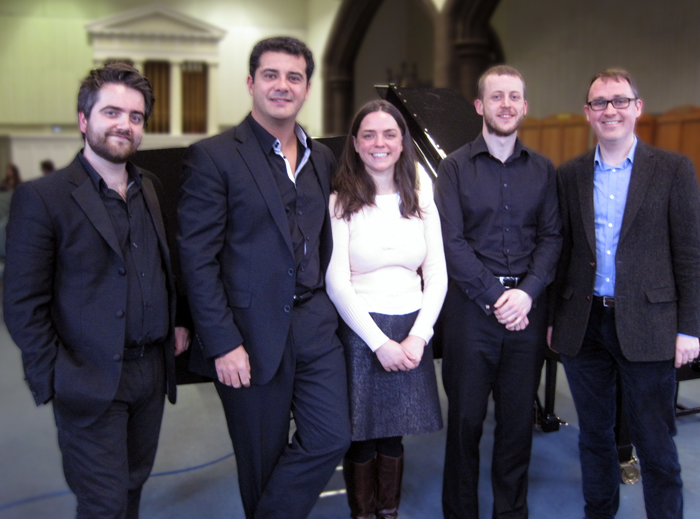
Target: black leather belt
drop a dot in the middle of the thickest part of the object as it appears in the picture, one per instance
(606, 301)
(300, 299)
(136, 351)
(509, 281)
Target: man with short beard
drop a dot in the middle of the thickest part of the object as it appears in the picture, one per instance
(501, 231)
(89, 298)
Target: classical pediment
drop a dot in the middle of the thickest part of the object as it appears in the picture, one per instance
(154, 20)
(154, 31)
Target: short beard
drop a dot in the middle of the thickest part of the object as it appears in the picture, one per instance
(491, 128)
(100, 146)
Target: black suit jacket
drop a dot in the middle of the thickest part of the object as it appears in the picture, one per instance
(236, 249)
(657, 265)
(65, 291)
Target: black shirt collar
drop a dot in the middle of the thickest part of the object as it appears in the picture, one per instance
(479, 146)
(98, 181)
(266, 139)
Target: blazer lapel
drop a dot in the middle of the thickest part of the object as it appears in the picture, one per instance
(262, 174)
(90, 202)
(642, 171)
(585, 188)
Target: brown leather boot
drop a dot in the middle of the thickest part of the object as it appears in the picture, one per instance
(361, 484)
(389, 474)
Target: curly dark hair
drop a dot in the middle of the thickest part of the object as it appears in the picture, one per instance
(355, 187)
(285, 44)
(117, 72)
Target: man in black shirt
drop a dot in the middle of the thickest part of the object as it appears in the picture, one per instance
(89, 298)
(255, 241)
(501, 232)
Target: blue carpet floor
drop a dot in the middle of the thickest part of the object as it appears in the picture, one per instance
(195, 473)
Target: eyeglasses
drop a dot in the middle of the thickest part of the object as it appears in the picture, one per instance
(599, 105)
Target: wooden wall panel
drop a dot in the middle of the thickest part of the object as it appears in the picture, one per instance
(564, 136)
(194, 97)
(530, 134)
(551, 145)
(158, 72)
(679, 130)
(645, 128)
(690, 141)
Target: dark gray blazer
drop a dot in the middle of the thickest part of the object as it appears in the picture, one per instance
(236, 250)
(65, 292)
(657, 288)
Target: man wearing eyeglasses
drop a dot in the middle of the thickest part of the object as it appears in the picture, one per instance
(627, 296)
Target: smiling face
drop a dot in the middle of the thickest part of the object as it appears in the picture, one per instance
(114, 128)
(503, 106)
(379, 142)
(279, 88)
(613, 126)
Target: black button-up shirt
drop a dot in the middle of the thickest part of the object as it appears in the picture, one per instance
(146, 311)
(498, 219)
(304, 204)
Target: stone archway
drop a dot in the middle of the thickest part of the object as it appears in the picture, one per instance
(351, 24)
(465, 46)
(474, 46)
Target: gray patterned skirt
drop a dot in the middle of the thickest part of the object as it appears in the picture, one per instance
(389, 403)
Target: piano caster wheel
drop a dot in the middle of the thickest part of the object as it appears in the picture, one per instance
(629, 471)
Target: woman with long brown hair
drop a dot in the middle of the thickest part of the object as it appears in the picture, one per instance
(387, 278)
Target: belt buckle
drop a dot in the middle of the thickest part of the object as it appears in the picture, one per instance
(508, 282)
(605, 302)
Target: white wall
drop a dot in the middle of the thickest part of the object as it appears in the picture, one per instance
(559, 44)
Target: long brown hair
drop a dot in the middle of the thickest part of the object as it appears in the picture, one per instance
(356, 188)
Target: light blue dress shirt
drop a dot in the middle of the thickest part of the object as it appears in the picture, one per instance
(610, 185)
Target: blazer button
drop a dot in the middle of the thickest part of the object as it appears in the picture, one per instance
(287, 308)
(290, 272)
(117, 357)
(588, 298)
(592, 263)
(122, 271)
(120, 313)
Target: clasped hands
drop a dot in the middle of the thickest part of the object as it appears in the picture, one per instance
(402, 356)
(512, 308)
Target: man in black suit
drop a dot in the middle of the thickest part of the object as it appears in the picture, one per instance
(500, 227)
(89, 298)
(627, 296)
(255, 241)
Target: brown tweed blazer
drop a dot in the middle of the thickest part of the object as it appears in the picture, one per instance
(657, 289)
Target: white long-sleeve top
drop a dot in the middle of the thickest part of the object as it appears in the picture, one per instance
(374, 267)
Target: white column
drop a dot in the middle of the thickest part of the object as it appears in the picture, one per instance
(175, 98)
(212, 98)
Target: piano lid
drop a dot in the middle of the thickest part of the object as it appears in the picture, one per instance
(440, 120)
